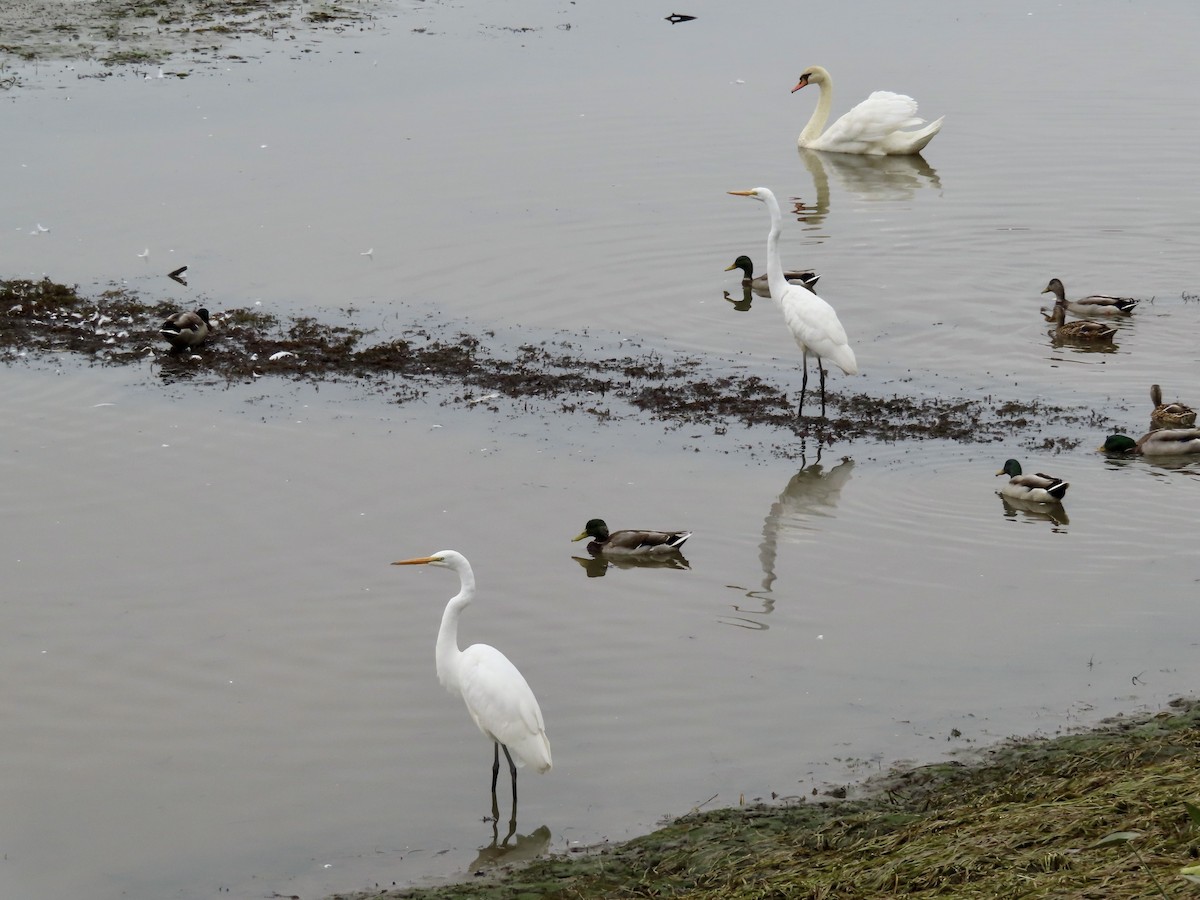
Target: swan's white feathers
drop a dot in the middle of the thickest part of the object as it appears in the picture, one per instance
(511, 717)
(875, 127)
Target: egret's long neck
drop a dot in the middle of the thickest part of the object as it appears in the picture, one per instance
(816, 124)
(447, 652)
(775, 279)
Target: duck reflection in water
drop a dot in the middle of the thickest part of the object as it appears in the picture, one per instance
(515, 848)
(1031, 511)
(811, 493)
(597, 566)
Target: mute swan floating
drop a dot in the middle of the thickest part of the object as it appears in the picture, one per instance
(812, 321)
(871, 128)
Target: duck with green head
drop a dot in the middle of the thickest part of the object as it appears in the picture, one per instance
(1164, 442)
(629, 542)
(801, 277)
(1037, 488)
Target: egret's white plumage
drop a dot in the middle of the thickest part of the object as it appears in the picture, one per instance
(497, 696)
(812, 321)
(873, 128)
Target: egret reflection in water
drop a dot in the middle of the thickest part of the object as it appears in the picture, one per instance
(811, 493)
(515, 848)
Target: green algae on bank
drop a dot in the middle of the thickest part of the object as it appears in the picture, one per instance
(1025, 820)
(559, 375)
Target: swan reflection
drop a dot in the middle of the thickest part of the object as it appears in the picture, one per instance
(597, 566)
(885, 178)
(514, 848)
(1029, 511)
(811, 493)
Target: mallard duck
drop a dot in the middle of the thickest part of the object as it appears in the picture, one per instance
(873, 128)
(1038, 488)
(803, 277)
(1080, 329)
(1093, 305)
(630, 542)
(1164, 442)
(1169, 415)
(186, 329)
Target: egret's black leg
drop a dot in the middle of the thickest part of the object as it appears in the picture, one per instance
(803, 384)
(496, 764)
(512, 771)
(822, 369)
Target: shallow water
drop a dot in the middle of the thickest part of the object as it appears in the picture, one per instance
(212, 677)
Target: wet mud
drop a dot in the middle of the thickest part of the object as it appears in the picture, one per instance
(479, 370)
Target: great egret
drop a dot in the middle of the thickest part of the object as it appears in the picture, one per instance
(1169, 415)
(872, 128)
(1165, 442)
(629, 542)
(186, 329)
(1080, 329)
(497, 695)
(803, 277)
(1093, 305)
(812, 321)
(1038, 488)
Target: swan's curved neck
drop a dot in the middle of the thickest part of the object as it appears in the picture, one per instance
(816, 124)
(447, 652)
(775, 279)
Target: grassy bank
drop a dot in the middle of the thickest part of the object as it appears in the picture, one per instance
(1026, 820)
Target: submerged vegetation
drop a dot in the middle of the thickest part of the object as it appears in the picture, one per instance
(558, 375)
(1032, 819)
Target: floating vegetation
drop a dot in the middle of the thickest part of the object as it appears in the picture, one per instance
(118, 328)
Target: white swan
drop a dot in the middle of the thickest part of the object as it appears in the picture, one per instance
(871, 128)
(812, 321)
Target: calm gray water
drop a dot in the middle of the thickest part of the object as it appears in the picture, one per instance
(213, 679)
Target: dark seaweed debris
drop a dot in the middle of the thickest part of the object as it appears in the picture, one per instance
(118, 328)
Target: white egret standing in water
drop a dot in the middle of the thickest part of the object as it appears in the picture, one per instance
(812, 321)
(497, 695)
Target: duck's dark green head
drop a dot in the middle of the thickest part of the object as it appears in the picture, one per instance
(1012, 468)
(1118, 443)
(743, 263)
(595, 528)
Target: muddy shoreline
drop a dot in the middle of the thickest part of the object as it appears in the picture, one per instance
(117, 328)
(1099, 814)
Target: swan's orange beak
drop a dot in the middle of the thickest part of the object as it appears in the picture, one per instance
(801, 83)
(419, 561)
(741, 194)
